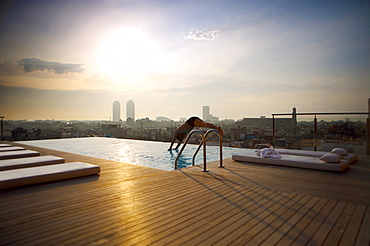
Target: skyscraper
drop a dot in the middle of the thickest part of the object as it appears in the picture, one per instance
(207, 116)
(206, 113)
(116, 111)
(130, 110)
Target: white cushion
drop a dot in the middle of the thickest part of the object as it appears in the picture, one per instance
(331, 158)
(339, 151)
(4, 155)
(17, 163)
(48, 173)
(293, 161)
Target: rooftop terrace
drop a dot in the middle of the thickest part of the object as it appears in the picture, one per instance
(241, 204)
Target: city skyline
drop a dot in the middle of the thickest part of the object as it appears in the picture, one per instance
(71, 59)
(207, 116)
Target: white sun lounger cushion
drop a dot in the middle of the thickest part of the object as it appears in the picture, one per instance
(18, 154)
(35, 175)
(11, 148)
(30, 162)
(308, 162)
(351, 157)
(5, 145)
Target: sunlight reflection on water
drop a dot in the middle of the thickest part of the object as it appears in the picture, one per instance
(143, 153)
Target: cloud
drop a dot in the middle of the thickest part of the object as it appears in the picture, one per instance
(329, 81)
(35, 64)
(196, 34)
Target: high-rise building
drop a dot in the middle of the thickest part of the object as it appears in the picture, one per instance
(294, 116)
(206, 114)
(116, 111)
(130, 110)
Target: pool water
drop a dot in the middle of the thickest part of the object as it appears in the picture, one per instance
(137, 152)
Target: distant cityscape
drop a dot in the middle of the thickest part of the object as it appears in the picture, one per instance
(245, 133)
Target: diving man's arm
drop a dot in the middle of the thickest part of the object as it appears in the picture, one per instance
(201, 123)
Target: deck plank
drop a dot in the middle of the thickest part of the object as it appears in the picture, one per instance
(281, 232)
(268, 217)
(168, 207)
(245, 224)
(314, 224)
(127, 202)
(301, 226)
(274, 226)
(340, 226)
(349, 236)
(204, 224)
(327, 225)
(195, 214)
(237, 225)
(363, 237)
(154, 215)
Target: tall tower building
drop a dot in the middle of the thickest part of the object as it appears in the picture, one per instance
(294, 116)
(130, 110)
(116, 111)
(206, 113)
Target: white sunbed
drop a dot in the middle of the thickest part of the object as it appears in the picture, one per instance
(17, 154)
(30, 162)
(5, 145)
(42, 174)
(11, 148)
(308, 162)
(351, 157)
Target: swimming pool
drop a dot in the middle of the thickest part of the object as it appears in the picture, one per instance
(137, 152)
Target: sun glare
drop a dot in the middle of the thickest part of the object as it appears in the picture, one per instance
(128, 53)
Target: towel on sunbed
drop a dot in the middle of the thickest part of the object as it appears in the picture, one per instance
(268, 153)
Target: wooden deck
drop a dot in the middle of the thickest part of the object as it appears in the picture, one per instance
(242, 204)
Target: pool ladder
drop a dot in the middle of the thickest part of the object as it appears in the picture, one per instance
(204, 143)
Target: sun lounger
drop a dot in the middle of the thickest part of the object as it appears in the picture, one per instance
(17, 154)
(35, 175)
(351, 157)
(5, 145)
(30, 162)
(308, 162)
(15, 148)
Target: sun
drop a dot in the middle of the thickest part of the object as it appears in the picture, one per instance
(129, 53)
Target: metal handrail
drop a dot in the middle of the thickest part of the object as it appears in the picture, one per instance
(315, 125)
(185, 143)
(204, 143)
(220, 143)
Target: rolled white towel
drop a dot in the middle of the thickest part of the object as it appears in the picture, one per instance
(268, 153)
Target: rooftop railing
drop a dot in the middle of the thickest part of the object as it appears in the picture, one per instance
(315, 131)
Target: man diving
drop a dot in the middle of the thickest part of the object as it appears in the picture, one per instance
(183, 130)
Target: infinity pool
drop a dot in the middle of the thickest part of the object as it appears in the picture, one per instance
(137, 152)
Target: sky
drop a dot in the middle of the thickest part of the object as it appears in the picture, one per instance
(71, 59)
